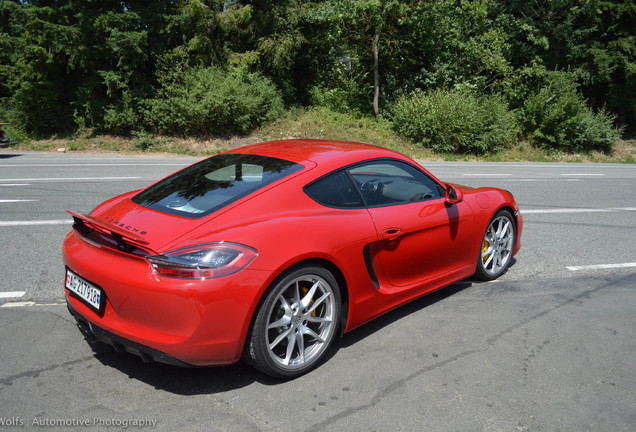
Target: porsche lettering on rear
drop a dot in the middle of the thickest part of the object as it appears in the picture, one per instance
(124, 226)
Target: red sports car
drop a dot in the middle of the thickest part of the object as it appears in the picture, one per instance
(270, 251)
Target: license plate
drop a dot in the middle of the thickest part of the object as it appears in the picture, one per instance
(89, 293)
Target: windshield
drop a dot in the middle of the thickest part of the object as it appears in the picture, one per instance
(213, 183)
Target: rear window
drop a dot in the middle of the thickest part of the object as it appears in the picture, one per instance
(214, 183)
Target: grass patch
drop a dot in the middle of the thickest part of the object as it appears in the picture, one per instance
(318, 123)
(322, 123)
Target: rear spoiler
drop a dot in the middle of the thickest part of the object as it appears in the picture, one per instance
(114, 230)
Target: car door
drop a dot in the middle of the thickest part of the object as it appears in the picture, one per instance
(422, 236)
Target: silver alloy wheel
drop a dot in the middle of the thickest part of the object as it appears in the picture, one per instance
(301, 322)
(498, 244)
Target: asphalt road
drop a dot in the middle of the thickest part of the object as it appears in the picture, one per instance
(550, 346)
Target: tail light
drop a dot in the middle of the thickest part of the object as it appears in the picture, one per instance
(204, 261)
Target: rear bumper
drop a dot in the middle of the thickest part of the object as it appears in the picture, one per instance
(195, 322)
(93, 333)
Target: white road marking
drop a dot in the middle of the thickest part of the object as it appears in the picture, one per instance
(602, 266)
(486, 175)
(576, 210)
(69, 179)
(583, 174)
(540, 165)
(16, 200)
(18, 304)
(93, 164)
(564, 210)
(29, 304)
(36, 222)
(499, 179)
(540, 180)
(12, 294)
(15, 184)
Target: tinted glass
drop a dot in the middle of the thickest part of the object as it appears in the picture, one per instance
(335, 190)
(213, 183)
(393, 182)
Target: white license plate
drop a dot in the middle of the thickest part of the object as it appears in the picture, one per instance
(86, 291)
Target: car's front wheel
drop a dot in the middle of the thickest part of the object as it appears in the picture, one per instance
(497, 246)
(295, 323)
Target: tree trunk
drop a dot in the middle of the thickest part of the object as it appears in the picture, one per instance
(376, 75)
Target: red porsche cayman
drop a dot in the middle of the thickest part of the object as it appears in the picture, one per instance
(270, 251)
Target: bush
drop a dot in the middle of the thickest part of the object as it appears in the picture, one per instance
(343, 91)
(557, 117)
(212, 100)
(596, 131)
(456, 121)
(121, 117)
(40, 108)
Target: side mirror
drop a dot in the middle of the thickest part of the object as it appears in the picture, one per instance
(453, 195)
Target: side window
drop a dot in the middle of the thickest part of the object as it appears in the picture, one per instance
(252, 173)
(388, 182)
(335, 190)
(225, 174)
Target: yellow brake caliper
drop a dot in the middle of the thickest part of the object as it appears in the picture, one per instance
(484, 248)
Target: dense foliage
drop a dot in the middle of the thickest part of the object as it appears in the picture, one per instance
(456, 121)
(205, 99)
(465, 75)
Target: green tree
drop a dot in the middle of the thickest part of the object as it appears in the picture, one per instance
(363, 34)
(37, 76)
(69, 64)
(555, 114)
(592, 39)
(453, 42)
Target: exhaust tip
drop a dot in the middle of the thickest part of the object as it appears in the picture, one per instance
(86, 331)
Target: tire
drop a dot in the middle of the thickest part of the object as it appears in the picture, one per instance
(295, 323)
(497, 246)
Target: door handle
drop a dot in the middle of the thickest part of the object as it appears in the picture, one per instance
(391, 233)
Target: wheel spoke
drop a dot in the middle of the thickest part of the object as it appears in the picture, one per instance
(291, 342)
(317, 303)
(306, 300)
(278, 340)
(508, 244)
(502, 230)
(313, 334)
(316, 319)
(300, 341)
(297, 294)
(489, 260)
(285, 304)
(284, 321)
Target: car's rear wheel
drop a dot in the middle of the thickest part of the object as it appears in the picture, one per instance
(497, 246)
(295, 323)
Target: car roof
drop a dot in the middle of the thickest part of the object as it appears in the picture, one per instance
(321, 152)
